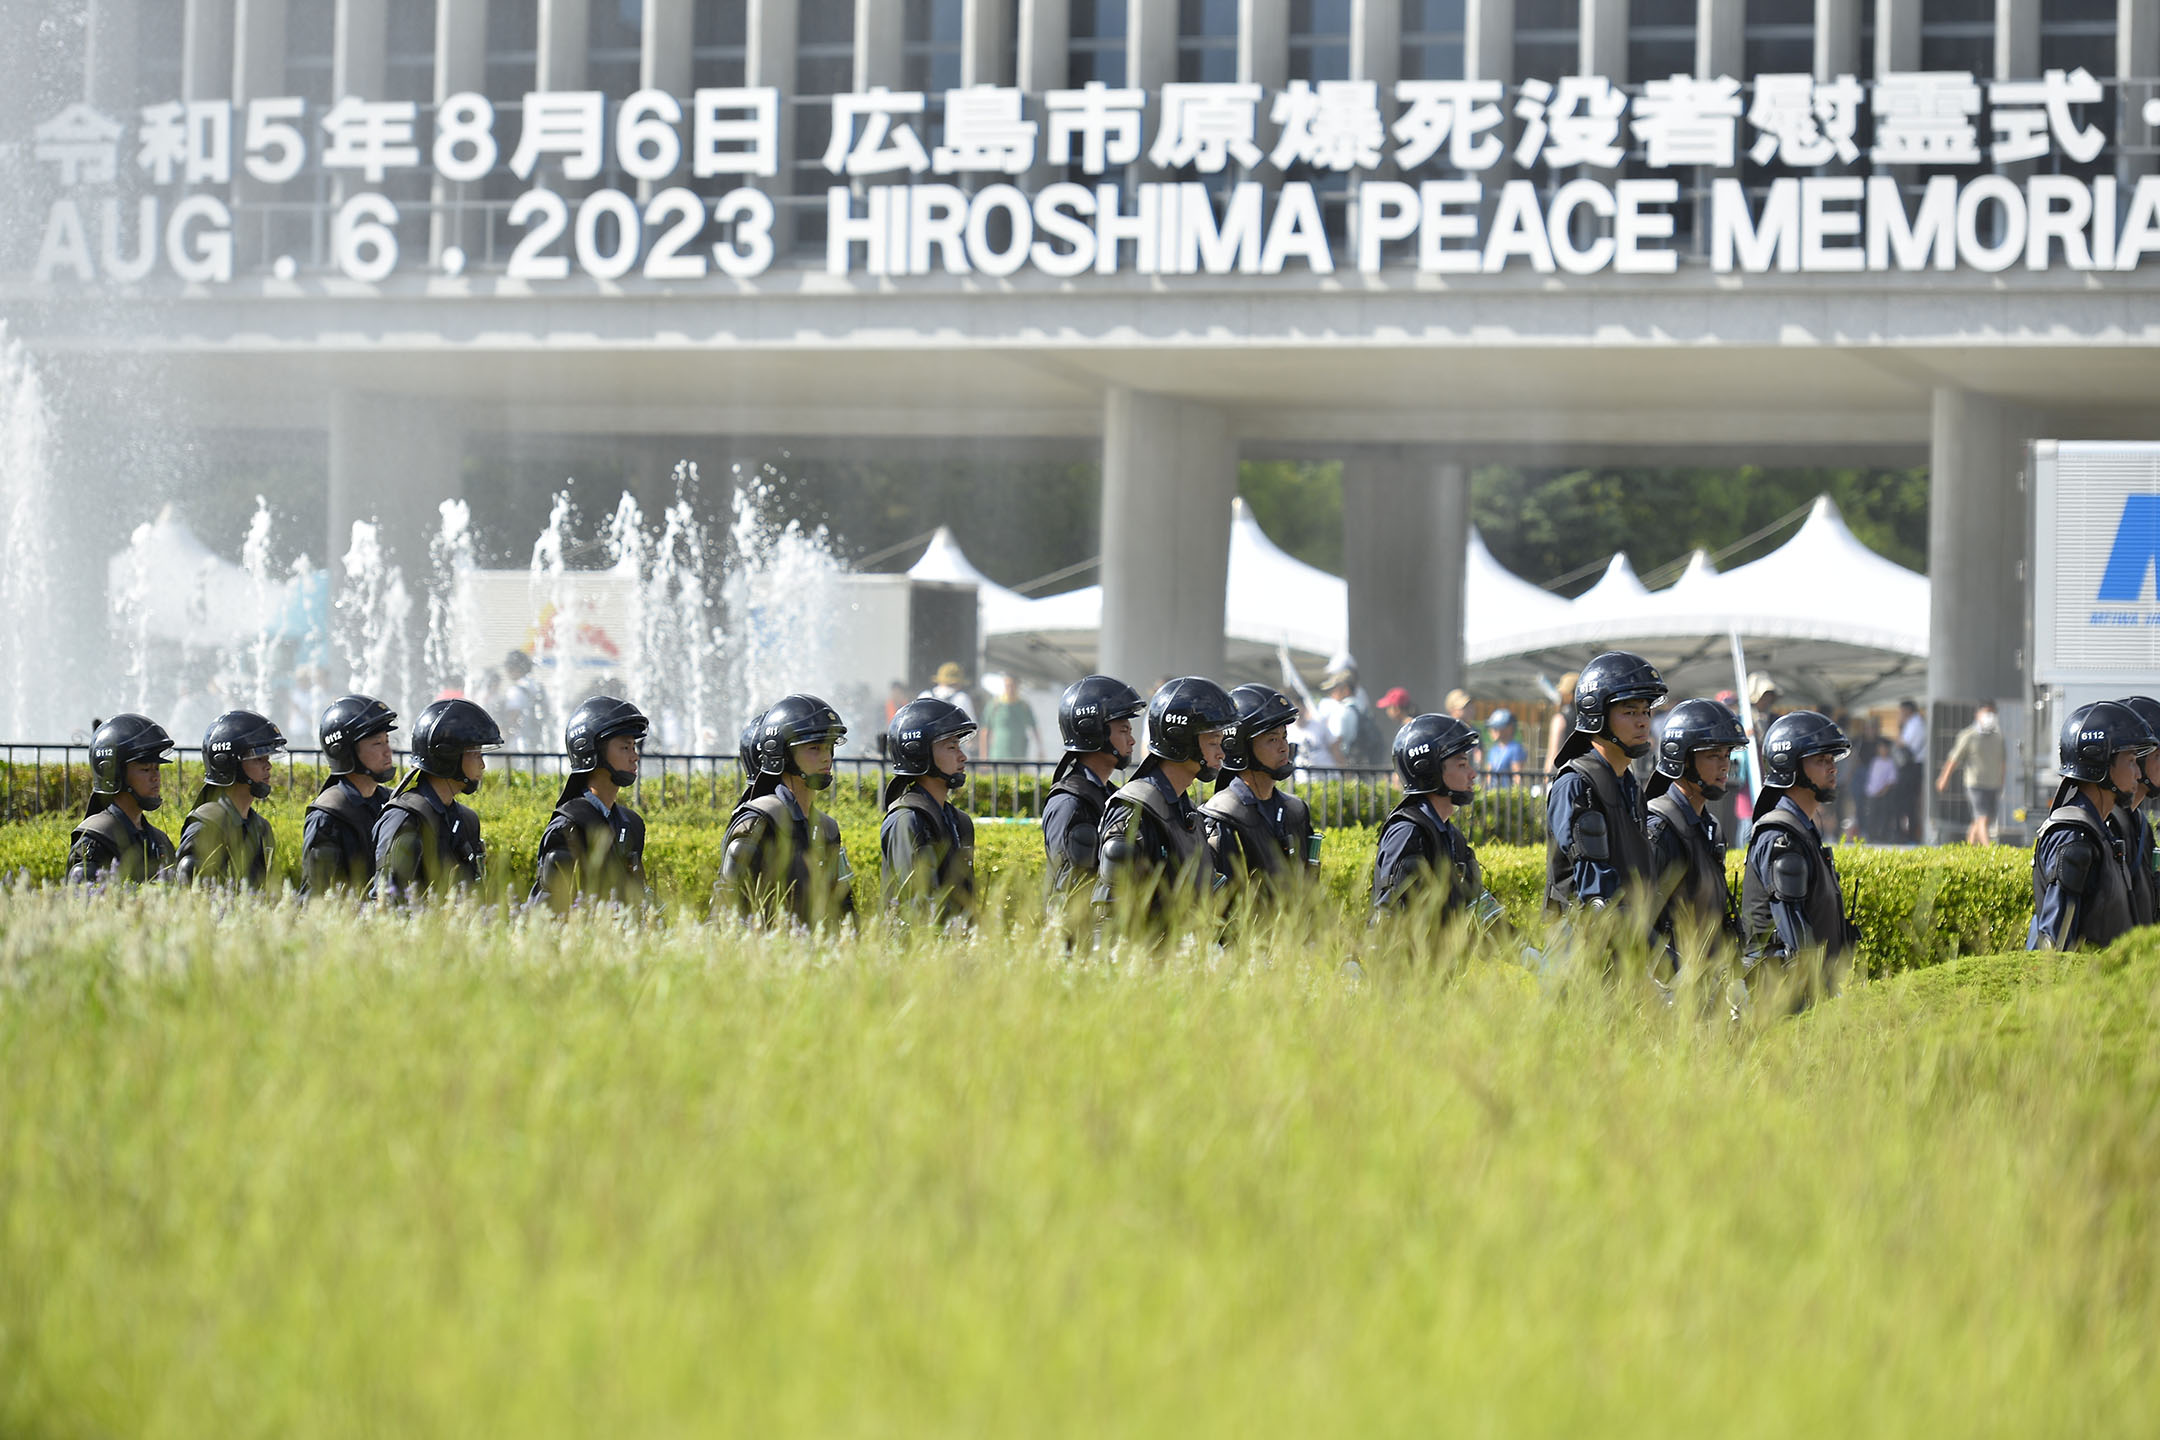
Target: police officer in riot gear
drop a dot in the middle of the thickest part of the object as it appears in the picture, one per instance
(1095, 718)
(1791, 900)
(1687, 854)
(1420, 850)
(927, 844)
(781, 855)
(746, 752)
(594, 845)
(1154, 848)
(1597, 848)
(116, 840)
(1259, 833)
(337, 837)
(225, 840)
(428, 842)
(2133, 823)
(2081, 875)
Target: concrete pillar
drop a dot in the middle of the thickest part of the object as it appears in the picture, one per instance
(110, 27)
(360, 49)
(1151, 46)
(878, 35)
(1837, 39)
(1604, 39)
(2017, 39)
(986, 37)
(1376, 46)
(1897, 35)
(206, 50)
(1264, 43)
(393, 460)
(1045, 30)
(1720, 38)
(565, 36)
(258, 49)
(1489, 40)
(1169, 473)
(460, 65)
(769, 59)
(1406, 525)
(1976, 547)
(2137, 53)
(664, 59)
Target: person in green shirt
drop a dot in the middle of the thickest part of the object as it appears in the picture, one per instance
(1009, 725)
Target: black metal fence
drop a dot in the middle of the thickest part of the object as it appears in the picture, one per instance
(48, 779)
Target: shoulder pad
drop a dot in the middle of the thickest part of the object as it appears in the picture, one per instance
(2076, 861)
(1592, 840)
(1788, 874)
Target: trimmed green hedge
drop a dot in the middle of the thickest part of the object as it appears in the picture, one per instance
(1917, 907)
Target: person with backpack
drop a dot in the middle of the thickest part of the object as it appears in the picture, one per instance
(1355, 730)
(225, 839)
(337, 835)
(116, 840)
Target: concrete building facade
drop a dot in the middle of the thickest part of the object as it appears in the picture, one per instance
(1413, 368)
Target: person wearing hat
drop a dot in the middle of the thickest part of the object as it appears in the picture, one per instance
(593, 848)
(1507, 756)
(926, 842)
(1398, 707)
(1420, 850)
(1597, 848)
(950, 685)
(428, 842)
(1260, 835)
(1351, 725)
(782, 855)
(1792, 902)
(116, 840)
(1154, 846)
(225, 840)
(2081, 875)
(1687, 851)
(337, 834)
(2133, 823)
(1095, 722)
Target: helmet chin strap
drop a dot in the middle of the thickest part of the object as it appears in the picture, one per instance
(1461, 797)
(623, 779)
(1709, 791)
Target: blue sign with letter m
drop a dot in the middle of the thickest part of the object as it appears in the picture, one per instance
(2137, 549)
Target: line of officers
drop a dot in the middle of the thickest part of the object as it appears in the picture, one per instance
(1143, 852)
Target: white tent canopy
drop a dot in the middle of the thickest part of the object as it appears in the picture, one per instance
(1835, 621)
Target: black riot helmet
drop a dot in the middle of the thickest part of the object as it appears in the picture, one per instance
(1088, 708)
(348, 720)
(442, 735)
(1608, 680)
(2094, 735)
(916, 729)
(746, 745)
(235, 736)
(1693, 727)
(117, 744)
(2147, 709)
(1792, 738)
(1425, 744)
(1182, 711)
(1260, 708)
(795, 720)
(592, 725)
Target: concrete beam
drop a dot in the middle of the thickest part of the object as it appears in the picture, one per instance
(1604, 39)
(565, 39)
(1264, 43)
(878, 37)
(2017, 39)
(986, 42)
(1977, 542)
(2137, 52)
(1406, 523)
(109, 58)
(664, 58)
(1897, 35)
(258, 49)
(1376, 45)
(769, 59)
(1489, 40)
(1045, 28)
(360, 48)
(1169, 474)
(460, 65)
(1151, 35)
(1720, 38)
(1837, 39)
(206, 50)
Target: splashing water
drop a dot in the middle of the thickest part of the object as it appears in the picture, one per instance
(784, 601)
(452, 631)
(27, 487)
(373, 609)
(247, 673)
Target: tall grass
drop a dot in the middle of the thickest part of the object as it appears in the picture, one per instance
(267, 1170)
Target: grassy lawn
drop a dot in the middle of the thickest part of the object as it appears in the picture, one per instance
(273, 1171)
